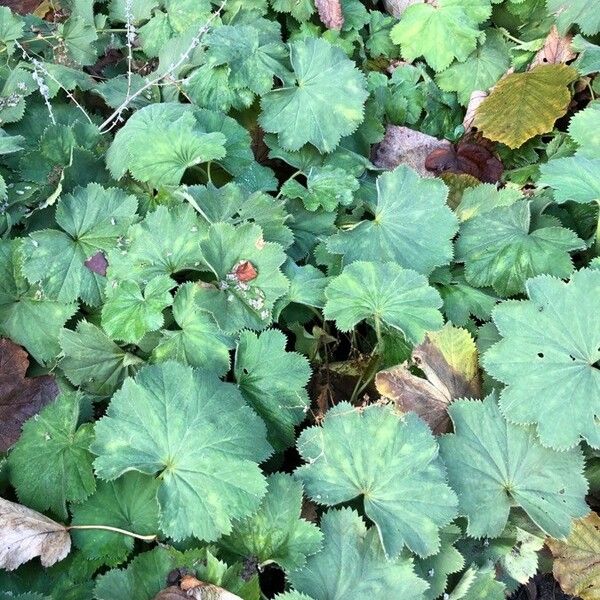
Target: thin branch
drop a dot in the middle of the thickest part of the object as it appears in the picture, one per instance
(137, 536)
(114, 117)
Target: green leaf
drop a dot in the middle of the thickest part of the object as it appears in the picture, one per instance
(588, 60)
(584, 128)
(353, 565)
(198, 435)
(481, 70)
(159, 142)
(436, 569)
(500, 250)
(11, 28)
(254, 54)
(78, 38)
(523, 105)
(51, 464)
(441, 32)
(573, 178)
(128, 313)
(93, 361)
(26, 315)
(141, 10)
(199, 342)
(389, 459)
(276, 533)
(548, 359)
(165, 242)
(483, 198)
(326, 188)
(384, 293)
(234, 303)
(92, 220)
(585, 13)
(404, 202)
(301, 10)
(273, 382)
(494, 465)
(325, 104)
(127, 503)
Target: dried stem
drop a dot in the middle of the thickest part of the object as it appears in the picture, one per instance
(137, 536)
(114, 117)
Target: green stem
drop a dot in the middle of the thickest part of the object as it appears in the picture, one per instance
(293, 176)
(507, 35)
(597, 242)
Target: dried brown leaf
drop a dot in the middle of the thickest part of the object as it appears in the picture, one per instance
(477, 97)
(23, 7)
(20, 397)
(556, 50)
(404, 146)
(26, 533)
(192, 588)
(448, 359)
(330, 13)
(577, 559)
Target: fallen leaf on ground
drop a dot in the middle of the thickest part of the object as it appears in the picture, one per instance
(556, 50)
(473, 155)
(23, 7)
(523, 105)
(448, 359)
(26, 533)
(404, 146)
(477, 97)
(191, 587)
(330, 13)
(20, 397)
(577, 559)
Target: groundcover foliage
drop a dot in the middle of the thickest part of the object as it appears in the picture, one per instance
(299, 299)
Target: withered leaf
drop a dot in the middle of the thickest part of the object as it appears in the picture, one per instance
(192, 588)
(26, 533)
(577, 559)
(245, 271)
(97, 263)
(473, 155)
(404, 146)
(20, 397)
(556, 50)
(396, 8)
(477, 97)
(448, 359)
(330, 13)
(23, 7)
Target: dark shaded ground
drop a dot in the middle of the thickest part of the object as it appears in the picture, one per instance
(542, 587)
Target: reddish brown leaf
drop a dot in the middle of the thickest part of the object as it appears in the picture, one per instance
(23, 7)
(20, 397)
(97, 263)
(330, 13)
(404, 146)
(244, 271)
(473, 156)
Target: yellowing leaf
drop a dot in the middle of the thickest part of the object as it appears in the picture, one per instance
(577, 559)
(25, 534)
(523, 105)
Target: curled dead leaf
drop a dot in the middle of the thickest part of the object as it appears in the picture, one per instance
(577, 559)
(330, 13)
(448, 359)
(556, 50)
(404, 146)
(396, 8)
(477, 97)
(473, 155)
(26, 533)
(20, 397)
(192, 588)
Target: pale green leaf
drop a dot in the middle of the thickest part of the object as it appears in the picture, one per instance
(199, 342)
(195, 432)
(389, 459)
(276, 533)
(548, 359)
(93, 361)
(353, 565)
(494, 465)
(51, 463)
(384, 293)
(273, 382)
(404, 202)
(325, 104)
(573, 178)
(585, 13)
(441, 32)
